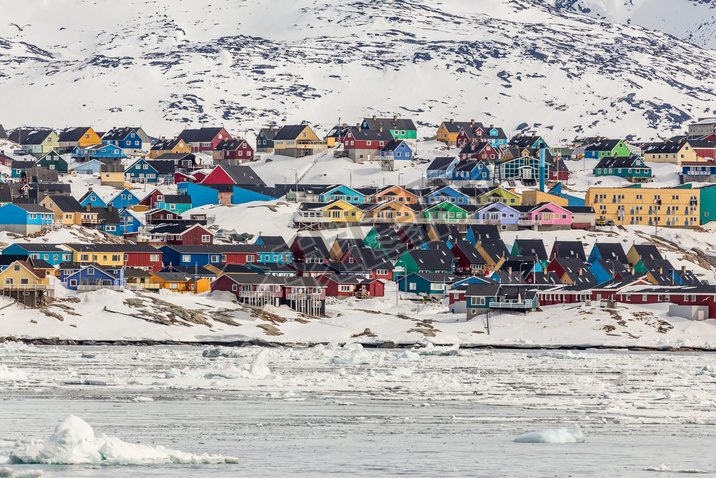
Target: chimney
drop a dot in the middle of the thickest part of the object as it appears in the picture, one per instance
(472, 122)
(88, 206)
(175, 138)
(373, 117)
(492, 126)
(509, 270)
(452, 121)
(683, 269)
(271, 128)
(395, 117)
(381, 129)
(661, 270)
(114, 128)
(344, 125)
(580, 271)
(357, 125)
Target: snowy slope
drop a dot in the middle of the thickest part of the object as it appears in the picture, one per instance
(519, 63)
(695, 22)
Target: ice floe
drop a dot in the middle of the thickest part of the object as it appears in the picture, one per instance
(10, 375)
(558, 435)
(74, 443)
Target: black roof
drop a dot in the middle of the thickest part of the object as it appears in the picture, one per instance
(441, 163)
(371, 134)
(431, 260)
(201, 135)
(469, 251)
(394, 123)
(312, 246)
(531, 247)
(163, 166)
(243, 175)
(66, 203)
(166, 144)
(611, 251)
(36, 137)
(603, 145)
(229, 144)
(647, 251)
(617, 162)
(289, 132)
(273, 240)
(270, 133)
(118, 134)
(73, 134)
(569, 249)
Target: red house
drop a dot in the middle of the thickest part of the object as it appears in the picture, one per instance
(222, 174)
(233, 151)
(181, 234)
(203, 139)
(151, 199)
(158, 216)
(184, 178)
(346, 286)
(371, 260)
(142, 256)
(481, 150)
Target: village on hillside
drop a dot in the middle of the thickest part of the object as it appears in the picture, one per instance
(428, 221)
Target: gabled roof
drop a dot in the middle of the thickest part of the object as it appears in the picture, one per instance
(523, 141)
(394, 123)
(66, 203)
(469, 251)
(576, 270)
(229, 145)
(394, 144)
(243, 175)
(118, 134)
(531, 247)
(289, 132)
(273, 241)
(36, 137)
(313, 246)
(667, 147)
(163, 165)
(611, 251)
(475, 147)
(166, 144)
(604, 145)
(441, 163)
(618, 162)
(73, 134)
(455, 126)
(647, 251)
(468, 165)
(569, 249)
(270, 133)
(201, 135)
(614, 267)
(371, 134)
(431, 260)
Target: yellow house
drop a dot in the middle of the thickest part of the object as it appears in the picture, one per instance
(297, 141)
(19, 274)
(502, 195)
(69, 210)
(392, 212)
(78, 137)
(165, 146)
(178, 282)
(342, 212)
(101, 254)
(112, 174)
(670, 152)
(667, 207)
(534, 197)
(448, 130)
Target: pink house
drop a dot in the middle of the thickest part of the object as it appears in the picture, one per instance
(550, 214)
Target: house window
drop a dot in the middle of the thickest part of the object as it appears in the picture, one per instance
(413, 286)
(186, 258)
(233, 287)
(73, 282)
(214, 259)
(84, 257)
(8, 281)
(90, 271)
(250, 258)
(173, 286)
(152, 257)
(205, 238)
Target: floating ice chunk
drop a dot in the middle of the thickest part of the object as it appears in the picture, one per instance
(259, 367)
(409, 356)
(6, 472)
(8, 374)
(214, 352)
(558, 435)
(666, 469)
(142, 398)
(401, 372)
(74, 443)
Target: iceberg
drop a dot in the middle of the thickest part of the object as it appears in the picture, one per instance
(74, 443)
(559, 435)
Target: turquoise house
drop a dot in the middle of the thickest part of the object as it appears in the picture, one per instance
(344, 193)
(200, 195)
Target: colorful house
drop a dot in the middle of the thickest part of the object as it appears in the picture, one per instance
(112, 174)
(233, 152)
(550, 214)
(123, 199)
(395, 154)
(470, 170)
(81, 137)
(39, 143)
(236, 175)
(20, 275)
(365, 145)
(93, 277)
(130, 139)
(445, 213)
(199, 195)
(25, 218)
(141, 171)
(264, 140)
(97, 151)
(429, 284)
(50, 253)
(68, 211)
(53, 161)
(391, 212)
(449, 130)
(479, 150)
(91, 198)
(631, 168)
(395, 193)
(178, 203)
(441, 168)
(607, 147)
(181, 282)
(399, 128)
(446, 194)
(297, 141)
(527, 141)
(204, 139)
(502, 195)
(343, 193)
(163, 146)
(498, 214)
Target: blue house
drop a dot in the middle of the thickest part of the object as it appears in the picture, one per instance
(610, 251)
(244, 193)
(129, 222)
(571, 200)
(98, 151)
(190, 255)
(470, 170)
(448, 194)
(141, 171)
(441, 168)
(124, 138)
(200, 195)
(396, 150)
(605, 270)
(429, 284)
(25, 218)
(123, 199)
(91, 198)
(90, 167)
(499, 214)
(50, 253)
(93, 277)
(344, 193)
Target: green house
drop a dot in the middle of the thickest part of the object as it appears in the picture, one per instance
(399, 128)
(607, 147)
(444, 213)
(631, 168)
(53, 160)
(500, 194)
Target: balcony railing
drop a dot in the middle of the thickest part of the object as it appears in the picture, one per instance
(91, 287)
(511, 305)
(25, 287)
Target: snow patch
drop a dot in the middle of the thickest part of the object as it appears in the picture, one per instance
(6, 472)
(8, 374)
(665, 469)
(558, 435)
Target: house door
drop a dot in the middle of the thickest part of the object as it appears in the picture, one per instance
(700, 314)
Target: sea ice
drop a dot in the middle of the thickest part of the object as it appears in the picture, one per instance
(8, 374)
(74, 443)
(6, 472)
(558, 435)
(666, 469)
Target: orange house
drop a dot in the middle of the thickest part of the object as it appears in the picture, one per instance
(178, 282)
(395, 193)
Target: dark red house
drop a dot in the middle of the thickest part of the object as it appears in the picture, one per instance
(181, 234)
(481, 150)
(142, 256)
(347, 286)
(203, 139)
(158, 216)
(223, 174)
(151, 199)
(233, 151)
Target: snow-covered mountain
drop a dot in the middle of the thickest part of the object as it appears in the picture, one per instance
(690, 20)
(523, 64)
